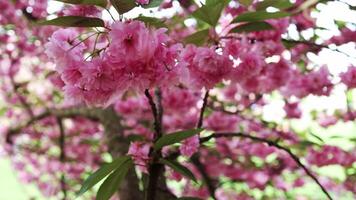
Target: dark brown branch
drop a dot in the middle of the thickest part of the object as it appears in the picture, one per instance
(207, 180)
(155, 168)
(274, 144)
(62, 156)
(154, 113)
(202, 110)
(90, 113)
(195, 159)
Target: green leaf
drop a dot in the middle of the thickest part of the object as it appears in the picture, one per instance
(188, 198)
(260, 16)
(197, 38)
(280, 4)
(153, 3)
(289, 43)
(179, 168)
(175, 137)
(74, 21)
(101, 3)
(151, 21)
(133, 138)
(101, 173)
(317, 137)
(112, 183)
(210, 12)
(251, 27)
(123, 6)
(246, 2)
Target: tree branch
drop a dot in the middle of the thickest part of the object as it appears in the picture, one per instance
(195, 159)
(201, 116)
(274, 144)
(90, 113)
(62, 156)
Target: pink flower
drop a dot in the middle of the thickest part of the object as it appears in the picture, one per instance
(190, 146)
(139, 152)
(349, 77)
(205, 67)
(143, 1)
(219, 121)
(64, 48)
(82, 10)
(292, 110)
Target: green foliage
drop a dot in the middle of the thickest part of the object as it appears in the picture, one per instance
(111, 184)
(123, 6)
(101, 3)
(102, 172)
(179, 168)
(280, 4)
(210, 12)
(251, 27)
(153, 3)
(260, 16)
(175, 137)
(197, 38)
(151, 21)
(246, 2)
(74, 21)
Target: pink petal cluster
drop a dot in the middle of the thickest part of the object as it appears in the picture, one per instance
(139, 152)
(204, 67)
(331, 155)
(138, 58)
(349, 77)
(190, 146)
(292, 110)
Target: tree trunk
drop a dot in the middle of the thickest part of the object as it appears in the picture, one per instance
(118, 146)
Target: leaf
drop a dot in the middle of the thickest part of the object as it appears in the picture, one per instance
(112, 183)
(123, 6)
(175, 137)
(133, 138)
(246, 2)
(197, 38)
(289, 43)
(101, 3)
(74, 21)
(260, 16)
(179, 168)
(317, 137)
(151, 21)
(153, 3)
(210, 12)
(251, 27)
(280, 4)
(101, 173)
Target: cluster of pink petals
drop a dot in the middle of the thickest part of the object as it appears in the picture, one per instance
(316, 83)
(347, 35)
(204, 67)
(190, 146)
(143, 2)
(349, 77)
(139, 152)
(331, 155)
(137, 58)
(292, 110)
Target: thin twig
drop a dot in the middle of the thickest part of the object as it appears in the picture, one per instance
(202, 110)
(274, 144)
(196, 157)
